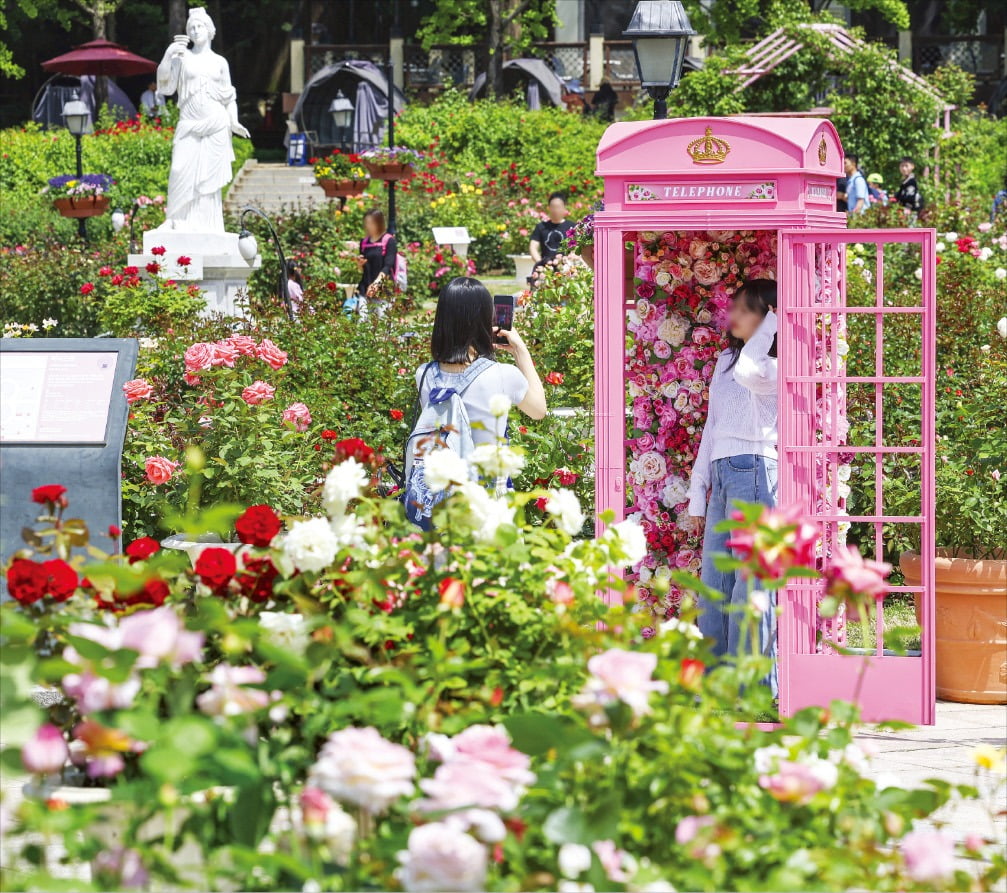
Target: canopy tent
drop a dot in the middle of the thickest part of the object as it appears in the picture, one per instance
(102, 58)
(537, 81)
(365, 85)
(47, 108)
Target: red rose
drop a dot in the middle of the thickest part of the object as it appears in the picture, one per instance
(566, 477)
(87, 288)
(142, 549)
(554, 378)
(114, 531)
(354, 448)
(329, 434)
(256, 581)
(154, 592)
(25, 581)
(215, 567)
(116, 279)
(158, 251)
(331, 286)
(153, 267)
(48, 493)
(257, 526)
(396, 414)
(130, 270)
(183, 261)
(60, 579)
(105, 271)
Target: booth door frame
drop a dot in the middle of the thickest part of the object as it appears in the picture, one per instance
(886, 686)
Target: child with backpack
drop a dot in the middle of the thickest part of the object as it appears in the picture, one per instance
(379, 258)
(458, 405)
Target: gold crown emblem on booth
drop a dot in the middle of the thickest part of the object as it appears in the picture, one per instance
(708, 149)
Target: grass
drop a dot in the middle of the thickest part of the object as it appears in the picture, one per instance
(898, 613)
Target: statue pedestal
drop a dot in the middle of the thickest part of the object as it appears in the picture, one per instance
(215, 265)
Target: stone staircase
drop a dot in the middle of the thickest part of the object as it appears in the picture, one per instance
(274, 189)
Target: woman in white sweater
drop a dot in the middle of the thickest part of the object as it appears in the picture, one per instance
(737, 460)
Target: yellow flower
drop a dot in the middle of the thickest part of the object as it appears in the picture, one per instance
(989, 757)
(70, 183)
(479, 192)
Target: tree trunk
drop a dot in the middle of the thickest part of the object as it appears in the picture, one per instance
(494, 47)
(178, 12)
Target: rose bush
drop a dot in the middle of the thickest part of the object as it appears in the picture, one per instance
(435, 710)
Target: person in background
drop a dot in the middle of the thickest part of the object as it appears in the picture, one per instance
(841, 195)
(151, 101)
(855, 194)
(377, 258)
(295, 287)
(876, 189)
(604, 102)
(908, 194)
(999, 201)
(548, 236)
(737, 462)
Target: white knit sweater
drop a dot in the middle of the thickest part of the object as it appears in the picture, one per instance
(742, 414)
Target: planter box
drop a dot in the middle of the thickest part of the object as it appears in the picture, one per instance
(523, 265)
(970, 631)
(342, 188)
(85, 206)
(392, 170)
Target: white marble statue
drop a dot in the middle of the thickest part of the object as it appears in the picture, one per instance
(201, 155)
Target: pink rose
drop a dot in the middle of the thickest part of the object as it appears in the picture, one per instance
(684, 558)
(228, 696)
(258, 392)
(224, 354)
(929, 855)
(703, 335)
(850, 574)
(491, 746)
(298, 415)
(690, 826)
(698, 249)
(160, 637)
(662, 350)
(198, 357)
(137, 389)
(645, 443)
(159, 469)
(271, 354)
(706, 272)
(798, 782)
(645, 273)
(243, 344)
(618, 675)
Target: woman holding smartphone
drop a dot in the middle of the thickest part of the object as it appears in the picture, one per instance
(463, 333)
(737, 460)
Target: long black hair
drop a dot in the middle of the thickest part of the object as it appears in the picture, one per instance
(463, 325)
(759, 296)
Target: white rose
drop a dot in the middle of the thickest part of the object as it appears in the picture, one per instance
(564, 506)
(488, 512)
(497, 460)
(500, 405)
(359, 766)
(442, 857)
(662, 278)
(674, 625)
(985, 253)
(285, 630)
(918, 272)
(348, 531)
(1000, 273)
(310, 545)
(662, 574)
(573, 859)
(704, 316)
(1002, 327)
(343, 484)
(951, 237)
(767, 759)
(939, 247)
(675, 492)
(672, 329)
(629, 538)
(443, 467)
(649, 466)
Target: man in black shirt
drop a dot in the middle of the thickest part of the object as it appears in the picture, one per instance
(548, 236)
(908, 194)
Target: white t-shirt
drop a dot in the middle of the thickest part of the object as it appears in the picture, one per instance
(500, 378)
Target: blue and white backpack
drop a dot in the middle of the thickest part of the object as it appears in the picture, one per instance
(443, 424)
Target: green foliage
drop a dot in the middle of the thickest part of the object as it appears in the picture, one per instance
(145, 306)
(466, 22)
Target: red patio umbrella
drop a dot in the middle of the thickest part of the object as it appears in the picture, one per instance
(100, 58)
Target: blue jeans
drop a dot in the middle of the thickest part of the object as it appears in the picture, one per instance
(745, 478)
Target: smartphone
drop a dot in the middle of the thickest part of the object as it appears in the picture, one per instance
(503, 314)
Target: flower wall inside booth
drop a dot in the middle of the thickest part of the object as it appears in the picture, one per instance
(683, 283)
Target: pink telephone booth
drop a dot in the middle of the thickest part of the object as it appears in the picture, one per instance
(693, 207)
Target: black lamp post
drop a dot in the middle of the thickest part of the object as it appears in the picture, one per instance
(390, 75)
(341, 109)
(77, 117)
(660, 32)
(248, 248)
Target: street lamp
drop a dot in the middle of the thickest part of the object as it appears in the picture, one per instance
(660, 32)
(77, 117)
(248, 248)
(341, 109)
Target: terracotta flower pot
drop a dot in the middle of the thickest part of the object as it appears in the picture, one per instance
(342, 188)
(971, 626)
(389, 170)
(84, 206)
